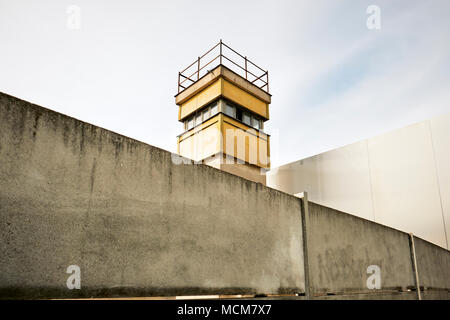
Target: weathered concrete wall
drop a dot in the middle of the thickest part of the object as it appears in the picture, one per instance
(132, 220)
(375, 295)
(433, 265)
(138, 223)
(342, 247)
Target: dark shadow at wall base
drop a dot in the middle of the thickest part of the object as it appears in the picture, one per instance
(24, 293)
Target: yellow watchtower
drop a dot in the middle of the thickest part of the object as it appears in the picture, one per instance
(223, 101)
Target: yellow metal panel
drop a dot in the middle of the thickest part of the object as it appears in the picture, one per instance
(200, 99)
(238, 124)
(245, 99)
(202, 141)
(210, 137)
(245, 143)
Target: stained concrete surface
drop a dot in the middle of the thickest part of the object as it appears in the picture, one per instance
(134, 221)
(140, 222)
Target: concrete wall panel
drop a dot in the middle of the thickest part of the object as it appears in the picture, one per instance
(132, 220)
(433, 265)
(138, 221)
(342, 247)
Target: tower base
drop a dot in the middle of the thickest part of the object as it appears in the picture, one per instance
(242, 169)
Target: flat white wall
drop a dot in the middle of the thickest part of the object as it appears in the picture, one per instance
(400, 179)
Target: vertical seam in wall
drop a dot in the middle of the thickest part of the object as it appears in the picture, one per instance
(319, 177)
(370, 180)
(304, 212)
(437, 181)
(412, 249)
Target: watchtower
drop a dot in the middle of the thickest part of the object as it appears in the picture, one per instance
(223, 101)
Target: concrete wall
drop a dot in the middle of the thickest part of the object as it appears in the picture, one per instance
(132, 220)
(433, 265)
(400, 179)
(342, 247)
(138, 221)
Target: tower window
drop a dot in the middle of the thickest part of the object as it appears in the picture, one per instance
(198, 119)
(256, 123)
(230, 110)
(206, 114)
(214, 109)
(239, 114)
(190, 123)
(246, 119)
(201, 116)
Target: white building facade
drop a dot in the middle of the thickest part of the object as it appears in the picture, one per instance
(400, 179)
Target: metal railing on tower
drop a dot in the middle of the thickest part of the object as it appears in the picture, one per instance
(221, 54)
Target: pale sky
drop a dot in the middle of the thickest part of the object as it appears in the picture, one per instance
(333, 80)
